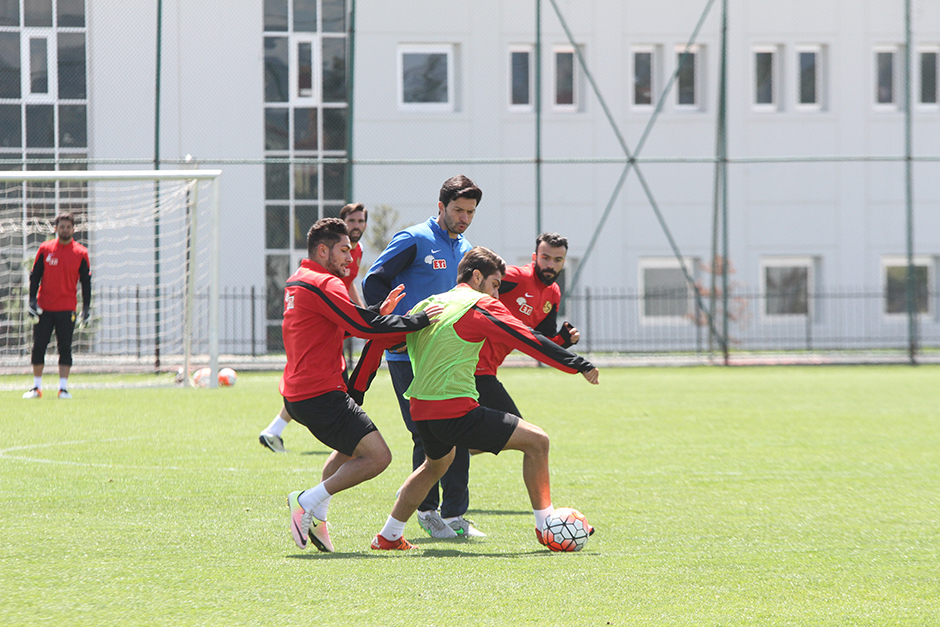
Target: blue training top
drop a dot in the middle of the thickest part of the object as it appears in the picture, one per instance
(424, 257)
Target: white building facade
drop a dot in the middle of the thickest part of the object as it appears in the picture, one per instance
(816, 183)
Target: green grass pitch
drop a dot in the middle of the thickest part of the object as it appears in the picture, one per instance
(721, 496)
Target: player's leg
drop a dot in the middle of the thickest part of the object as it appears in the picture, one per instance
(42, 333)
(271, 438)
(534, 444)
(64, 329)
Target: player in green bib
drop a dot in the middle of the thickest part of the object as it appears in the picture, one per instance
(443, 396)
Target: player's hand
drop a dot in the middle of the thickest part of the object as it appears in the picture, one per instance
(83, 321)
(34, 310)
(434, 311)
(392, 300)
(573, 334)
(592, 376)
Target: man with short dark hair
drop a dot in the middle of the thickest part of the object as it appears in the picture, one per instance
(317, 315)
(424, 257)
(532, 295)
(355, 215)
(443, 397)
(60, 264)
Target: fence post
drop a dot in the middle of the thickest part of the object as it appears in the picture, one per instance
(253, 352)
(587, 317)
(137, 304)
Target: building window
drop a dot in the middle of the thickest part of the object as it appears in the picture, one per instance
(305, 118)
(426, 77)
(520, 78)
(667, 295)
(765, 78)
(886, 78)
(809, 64)
(689, 83)
(787, 285)
(565, 78)
(927, 61)
(895, 285)
(644, 76)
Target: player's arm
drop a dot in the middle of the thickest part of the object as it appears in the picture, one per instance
(357, 321)
(355, 297)
(491, 320)
(35, 278)
(564, 337)
(84, 277)
(382, 276)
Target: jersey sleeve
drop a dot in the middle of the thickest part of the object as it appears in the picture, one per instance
(398, 255)
(364, 323)
(35, 276)
(490, 320)
(84, 276)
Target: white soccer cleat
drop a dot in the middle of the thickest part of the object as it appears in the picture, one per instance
(272, 442)
(34, 393)
(465, 528)
(434, 525)
(64, 394)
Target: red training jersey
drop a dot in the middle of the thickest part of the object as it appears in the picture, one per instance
(317, 314)
(352, 270)
(530, 301)
(56, 271)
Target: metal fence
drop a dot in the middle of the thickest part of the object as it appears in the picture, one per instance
(610, 321)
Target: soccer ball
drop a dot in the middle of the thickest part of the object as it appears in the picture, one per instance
(201, 377)
(227, 377)
(566, 529)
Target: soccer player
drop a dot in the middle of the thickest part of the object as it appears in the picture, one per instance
(60, 264)
(531, 294)
(317, 314)
(424, 257)
(443, 395)
(356, 216)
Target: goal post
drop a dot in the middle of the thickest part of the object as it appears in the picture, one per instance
(153, 238)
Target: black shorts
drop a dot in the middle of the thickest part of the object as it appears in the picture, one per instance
(494, 395)
(481, 428)
(63, 323)
(334, 419)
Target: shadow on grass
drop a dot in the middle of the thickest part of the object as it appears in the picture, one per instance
(319, 453)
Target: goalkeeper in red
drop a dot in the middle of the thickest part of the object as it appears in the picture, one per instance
(443, 395)
(60, 264)
(317, 314)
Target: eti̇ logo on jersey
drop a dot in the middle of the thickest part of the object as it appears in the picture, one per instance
(524, 307)
(288, 301)
(437, 264)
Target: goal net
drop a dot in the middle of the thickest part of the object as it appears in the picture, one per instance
(152, 238)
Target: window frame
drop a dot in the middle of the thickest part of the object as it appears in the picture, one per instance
(919, 85)
(293, 68)
(788, 262)
(893, 261)
(666, 263)
(775, 82)
(896, 103)
(450, 51)
(529, 50)
(655, 81)
(575, 105)
(698, 77)
(819, 51)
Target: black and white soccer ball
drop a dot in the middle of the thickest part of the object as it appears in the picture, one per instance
(566, 529)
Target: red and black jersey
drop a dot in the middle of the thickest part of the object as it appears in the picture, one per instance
(56, 271)
(488, 321)
(317, 314)
(533, 303)
(352, 270)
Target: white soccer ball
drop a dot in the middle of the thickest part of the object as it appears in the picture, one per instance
(566, 529)
(227, 377)
(201, 377)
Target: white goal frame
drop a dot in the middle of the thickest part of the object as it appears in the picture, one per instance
(213, 177)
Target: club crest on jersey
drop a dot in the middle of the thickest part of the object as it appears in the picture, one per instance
(524, 307)
(437, 264)
(52, 261)
(547, 307)
(288, 301)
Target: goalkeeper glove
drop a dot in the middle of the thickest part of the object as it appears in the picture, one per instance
(83, 321)
(34, 310)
